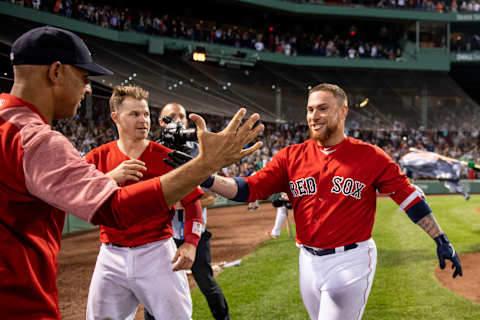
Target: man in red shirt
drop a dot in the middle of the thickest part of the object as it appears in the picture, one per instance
(331, 181)
(134, 265)
(43, 176)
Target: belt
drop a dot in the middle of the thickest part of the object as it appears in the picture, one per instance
(324, 252)
(117, 245)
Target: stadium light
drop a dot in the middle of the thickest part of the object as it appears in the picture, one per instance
(199, 56)
(363, 103)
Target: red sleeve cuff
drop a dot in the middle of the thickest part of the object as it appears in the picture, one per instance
(192, 238)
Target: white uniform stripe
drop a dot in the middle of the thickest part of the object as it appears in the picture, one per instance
(409, 199)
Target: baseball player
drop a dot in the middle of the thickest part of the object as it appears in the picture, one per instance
(134, 265)
(331, 181)
(43, 176)
(201, 269)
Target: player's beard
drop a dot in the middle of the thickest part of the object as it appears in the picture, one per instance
(324, 134)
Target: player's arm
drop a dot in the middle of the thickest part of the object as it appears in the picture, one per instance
(265, 182)
(227, 187)
(55, 173)
(392, 181)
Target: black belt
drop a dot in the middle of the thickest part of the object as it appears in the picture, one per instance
(324, 252)
(117, 245)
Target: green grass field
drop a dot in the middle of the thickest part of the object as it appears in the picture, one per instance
(265, 286)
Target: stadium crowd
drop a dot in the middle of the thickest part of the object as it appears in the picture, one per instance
(423, 5)
(396, 140)
(125, 19)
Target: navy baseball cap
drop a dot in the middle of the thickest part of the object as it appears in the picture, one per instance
(45, 45)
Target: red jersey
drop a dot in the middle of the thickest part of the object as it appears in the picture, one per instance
(159, 226)
(333, 190)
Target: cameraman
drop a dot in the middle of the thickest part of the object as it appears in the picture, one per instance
(282, 204)
(175, 135)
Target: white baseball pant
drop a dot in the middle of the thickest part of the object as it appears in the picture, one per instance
(336, 286)
(125, 277)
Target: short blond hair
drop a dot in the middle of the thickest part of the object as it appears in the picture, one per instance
(121, 92)
(337, 92)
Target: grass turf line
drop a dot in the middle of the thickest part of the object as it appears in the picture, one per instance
(265, 286)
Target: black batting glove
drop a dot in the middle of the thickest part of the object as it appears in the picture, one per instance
(177, 158)
(445, 251)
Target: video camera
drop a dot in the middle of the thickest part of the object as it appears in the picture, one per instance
(175, 135)
(280, 203)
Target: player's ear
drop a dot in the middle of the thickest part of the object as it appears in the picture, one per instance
(53, 72)
(114, 116)
(345, 110)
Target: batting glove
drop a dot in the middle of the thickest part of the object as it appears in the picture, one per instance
(445, 251)
(178, 158)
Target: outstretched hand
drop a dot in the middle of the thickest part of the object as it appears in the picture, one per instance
(445, 250)
(221, 149)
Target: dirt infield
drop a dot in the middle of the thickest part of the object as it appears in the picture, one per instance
(467, 285)
(235, 233)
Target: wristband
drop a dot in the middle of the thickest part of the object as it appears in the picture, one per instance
(208, 183)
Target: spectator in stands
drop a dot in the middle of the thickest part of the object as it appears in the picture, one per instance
(288, 44)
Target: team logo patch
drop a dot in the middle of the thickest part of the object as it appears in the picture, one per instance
(197, 228)
(348, 187)
(303, 187)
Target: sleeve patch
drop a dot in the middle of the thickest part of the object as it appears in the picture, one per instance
(197, 228)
